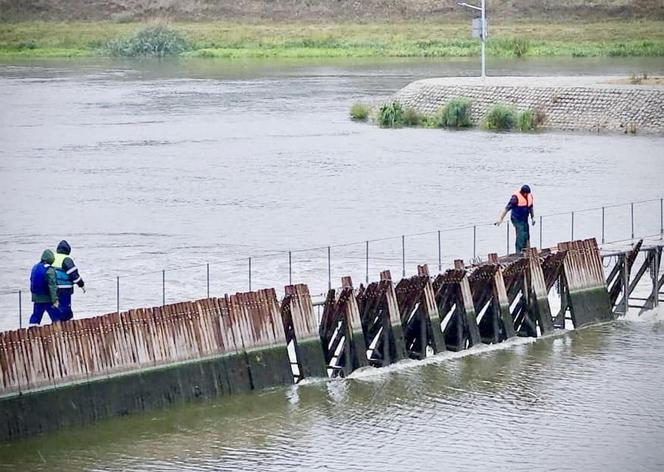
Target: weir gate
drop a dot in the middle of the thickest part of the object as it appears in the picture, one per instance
(88, 369)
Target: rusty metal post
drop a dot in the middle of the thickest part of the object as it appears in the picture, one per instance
(440, 255)
(117, 293)
(625, 282)
(474, 242)
(403, 254)
(290, 269)
(250, 274)
(208, 279)
(329, 269)
(163, 288)
(366, 267)
(632, 217)
(20, 309)
(603, 238)
(661, 218)
(572, 239)
(540, 228)
(654, 275)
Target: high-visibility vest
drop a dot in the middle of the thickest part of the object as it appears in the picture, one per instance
(522, 201)
(61, 277)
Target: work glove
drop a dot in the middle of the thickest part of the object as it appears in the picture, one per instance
(532, 221)
(498, 223)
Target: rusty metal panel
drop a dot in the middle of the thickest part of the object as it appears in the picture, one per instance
(588, 298)
(539, 301)
(301, 310)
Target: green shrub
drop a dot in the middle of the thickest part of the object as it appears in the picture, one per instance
(519, 46)
(526, 121)
(412, 117)
(391, 115)
(359, 111)
(431, 121)
(456, 114)
(152, 41)
(30, 44)
(500, 117)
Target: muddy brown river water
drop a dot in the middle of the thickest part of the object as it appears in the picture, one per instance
(146, 166)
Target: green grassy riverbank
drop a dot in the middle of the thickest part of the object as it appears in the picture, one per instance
(38, 39)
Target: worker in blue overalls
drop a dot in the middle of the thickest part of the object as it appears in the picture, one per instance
(44, 290)
(66, 274)
(520, 206)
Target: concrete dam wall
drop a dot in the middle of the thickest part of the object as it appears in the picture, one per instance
(567, 103)
(84, 370)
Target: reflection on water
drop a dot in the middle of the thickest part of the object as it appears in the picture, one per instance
(584, 400)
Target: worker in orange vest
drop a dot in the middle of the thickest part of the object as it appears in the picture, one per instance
(520, 206)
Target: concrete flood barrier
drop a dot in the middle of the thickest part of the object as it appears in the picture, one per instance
(89, 369)
(564, 103)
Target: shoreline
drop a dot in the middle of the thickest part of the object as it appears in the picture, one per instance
(268, 40)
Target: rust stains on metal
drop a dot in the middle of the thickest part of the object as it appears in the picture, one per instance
(419, 315)
(502, 295)
(130, 340)
(297, 307)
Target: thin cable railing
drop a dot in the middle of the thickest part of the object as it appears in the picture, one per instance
(399, 253)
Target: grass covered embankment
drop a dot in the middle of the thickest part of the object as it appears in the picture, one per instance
(301, 40)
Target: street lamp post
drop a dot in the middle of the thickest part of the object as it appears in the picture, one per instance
(482, 32)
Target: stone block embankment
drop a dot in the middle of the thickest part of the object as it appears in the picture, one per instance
(573, 104)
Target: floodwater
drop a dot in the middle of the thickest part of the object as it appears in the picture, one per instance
(145, 166)
(585, 400)
(174, 165)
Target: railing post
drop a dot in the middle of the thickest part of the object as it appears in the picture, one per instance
(625, 281)
(329, 268)
(250, 274)
(290, 269)
(117, 293)
(20, 310)
(603, 238)
(540, 231)
(632, 217)
(474, 242)
(572, 227)
(366, 266)
(661, 218)
(208, 279)
(440, 255)
(403, 255)
(163, 288)
(654, 275)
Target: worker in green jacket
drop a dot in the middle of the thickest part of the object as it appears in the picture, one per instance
(44, 289)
